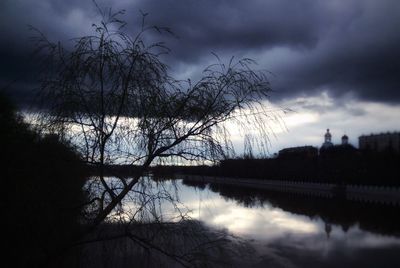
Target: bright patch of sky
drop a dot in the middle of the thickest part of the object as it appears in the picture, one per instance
(309, 117)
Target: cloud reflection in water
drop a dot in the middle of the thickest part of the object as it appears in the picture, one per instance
(285, 239)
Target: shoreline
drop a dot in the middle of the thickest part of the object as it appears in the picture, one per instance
(363, 193)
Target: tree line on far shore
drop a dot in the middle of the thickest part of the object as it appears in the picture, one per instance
(355, 167)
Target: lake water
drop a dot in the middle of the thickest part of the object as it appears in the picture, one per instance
(299, 231)
(287, 230)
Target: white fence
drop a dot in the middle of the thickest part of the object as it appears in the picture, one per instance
(385, 195)
(365, 193)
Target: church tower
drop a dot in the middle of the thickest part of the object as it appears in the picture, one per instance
(328, 140)
(345, 140)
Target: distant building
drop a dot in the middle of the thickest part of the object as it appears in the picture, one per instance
(299, 152)
(389, 141)
(328, 140)
(345, 140)
(328, 149)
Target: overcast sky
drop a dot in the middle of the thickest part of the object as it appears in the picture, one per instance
(336, 63)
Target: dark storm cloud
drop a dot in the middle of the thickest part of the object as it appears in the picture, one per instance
(206, 26)
(336, 46)
(360, 57)
(57, 19)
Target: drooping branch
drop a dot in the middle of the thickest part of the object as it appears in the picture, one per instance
(112, 96)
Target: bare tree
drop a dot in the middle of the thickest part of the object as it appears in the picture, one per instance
(111, 95)
(88, 89)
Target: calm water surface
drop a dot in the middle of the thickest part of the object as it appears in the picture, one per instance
(298, 231)
(289, 230)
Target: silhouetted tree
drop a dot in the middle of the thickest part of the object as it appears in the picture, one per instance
(112, 97)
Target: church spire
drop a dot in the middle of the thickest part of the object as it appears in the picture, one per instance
(328, 136)
(328, 140)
